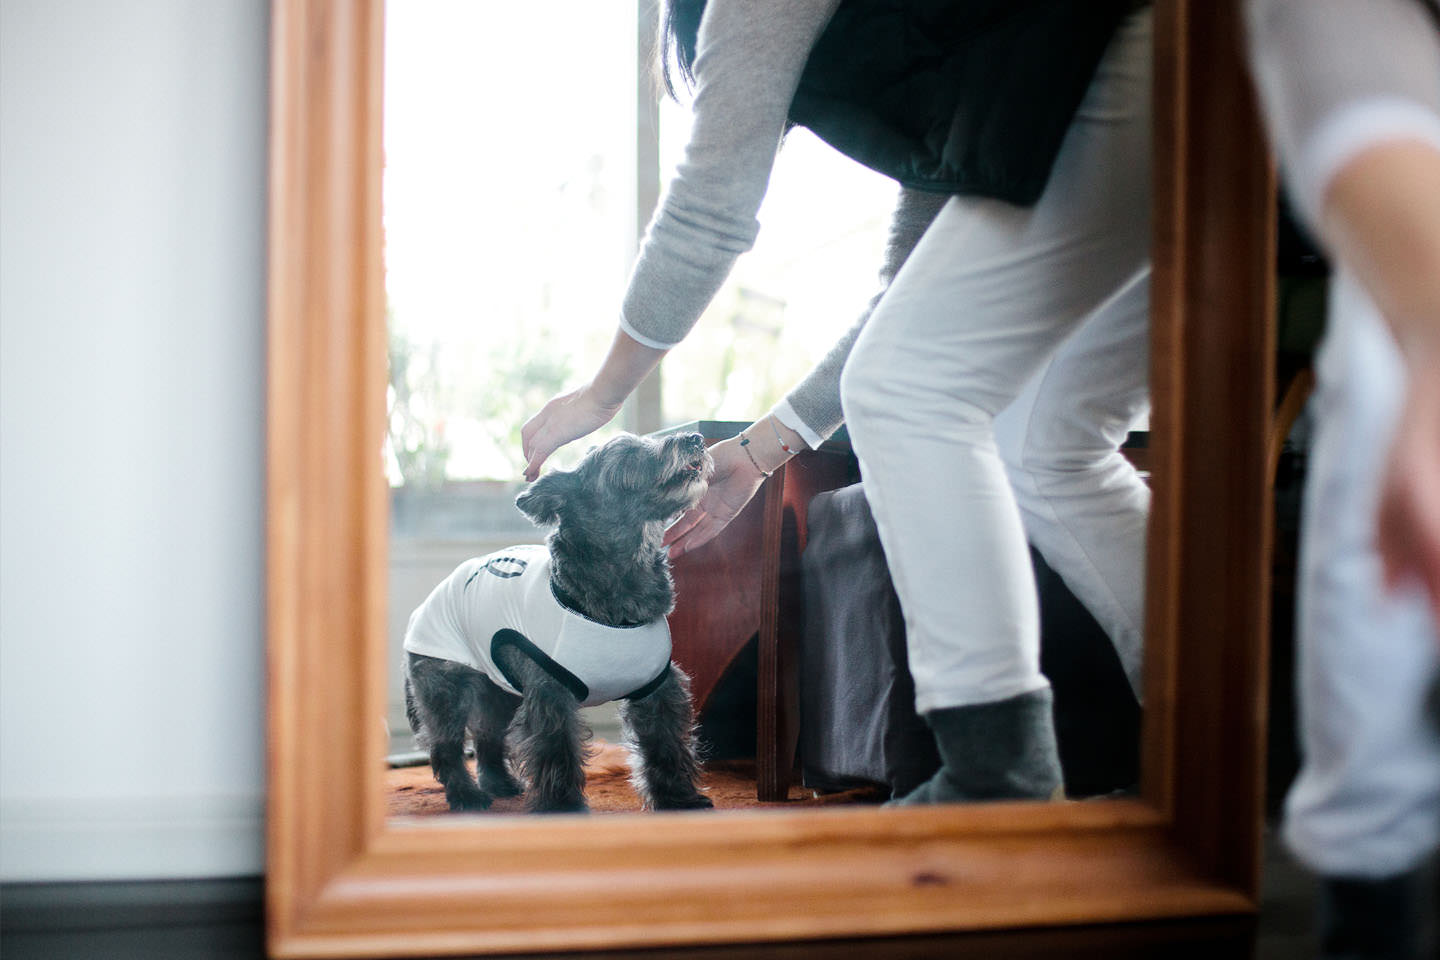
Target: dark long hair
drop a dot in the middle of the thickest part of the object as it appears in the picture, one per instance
(679, 26)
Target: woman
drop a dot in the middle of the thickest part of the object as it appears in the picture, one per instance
(1026, 295)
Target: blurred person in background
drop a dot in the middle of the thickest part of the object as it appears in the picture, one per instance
(1351, 91)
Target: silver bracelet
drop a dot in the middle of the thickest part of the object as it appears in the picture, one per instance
(745, 445)
(783, 445)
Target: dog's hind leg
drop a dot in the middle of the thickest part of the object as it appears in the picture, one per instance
(660, 734)
(441, 698)
(550, 742)
(489, 720)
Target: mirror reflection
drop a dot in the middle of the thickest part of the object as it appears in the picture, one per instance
(867, 533)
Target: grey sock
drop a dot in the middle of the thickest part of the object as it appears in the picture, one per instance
(993, 751)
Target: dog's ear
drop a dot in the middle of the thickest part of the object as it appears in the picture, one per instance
(542, 500)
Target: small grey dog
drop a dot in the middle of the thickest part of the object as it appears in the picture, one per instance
(509, 646)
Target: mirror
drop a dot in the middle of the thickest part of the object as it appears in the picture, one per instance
(347, 879)
(499, 267)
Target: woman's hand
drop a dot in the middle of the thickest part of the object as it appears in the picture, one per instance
(569, 416)
(1408, 526)
(733, 483)
(573, 415)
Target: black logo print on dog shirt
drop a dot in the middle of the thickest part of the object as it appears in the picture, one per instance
(506, 568)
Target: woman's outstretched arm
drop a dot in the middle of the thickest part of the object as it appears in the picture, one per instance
(749, 57)
(1352, 96)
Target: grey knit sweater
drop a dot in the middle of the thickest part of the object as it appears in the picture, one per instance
(749, 57)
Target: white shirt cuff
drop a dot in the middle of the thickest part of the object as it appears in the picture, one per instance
(786, 414)
(1351, 130)
(643, 340)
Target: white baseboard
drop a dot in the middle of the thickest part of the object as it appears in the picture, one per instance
(131, 838)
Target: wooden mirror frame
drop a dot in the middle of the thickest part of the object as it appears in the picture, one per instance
(344, 880)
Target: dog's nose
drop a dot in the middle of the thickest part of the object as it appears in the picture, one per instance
(695, 442)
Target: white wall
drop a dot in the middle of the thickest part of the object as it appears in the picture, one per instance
(132, 203)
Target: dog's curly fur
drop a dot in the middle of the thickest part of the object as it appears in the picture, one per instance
(607, 559)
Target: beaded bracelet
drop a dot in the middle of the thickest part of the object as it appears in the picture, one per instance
(745, 445)
(783, 445)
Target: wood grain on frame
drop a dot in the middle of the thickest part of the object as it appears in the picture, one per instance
(326, 499)
(1212, 386)
(344, 882)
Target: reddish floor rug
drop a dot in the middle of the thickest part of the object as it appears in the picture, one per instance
(412, 791)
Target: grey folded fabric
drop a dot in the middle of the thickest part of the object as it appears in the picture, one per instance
(857, 702)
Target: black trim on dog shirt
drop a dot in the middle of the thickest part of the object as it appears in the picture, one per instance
(569, 603)
(461, 617)
(650, 687)
(514, 638)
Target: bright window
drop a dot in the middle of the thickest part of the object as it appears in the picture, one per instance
(511, 211)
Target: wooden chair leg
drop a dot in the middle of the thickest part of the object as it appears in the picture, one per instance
(776, 711)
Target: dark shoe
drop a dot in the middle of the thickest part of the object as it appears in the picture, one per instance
(993, 751)
(1383, 919)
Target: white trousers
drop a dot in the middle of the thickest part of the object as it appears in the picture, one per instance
(1367, 800)
(988, 395)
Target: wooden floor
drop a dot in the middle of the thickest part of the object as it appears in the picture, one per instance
(412, 791)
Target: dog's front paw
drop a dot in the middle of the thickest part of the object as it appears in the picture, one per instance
(468, 801)
(696, 801)
(499, 783)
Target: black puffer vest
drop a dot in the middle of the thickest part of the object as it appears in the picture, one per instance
(955, 96)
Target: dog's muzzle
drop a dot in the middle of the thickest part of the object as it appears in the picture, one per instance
(694, 446)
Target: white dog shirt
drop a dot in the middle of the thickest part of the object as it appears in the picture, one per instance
(505, 598)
